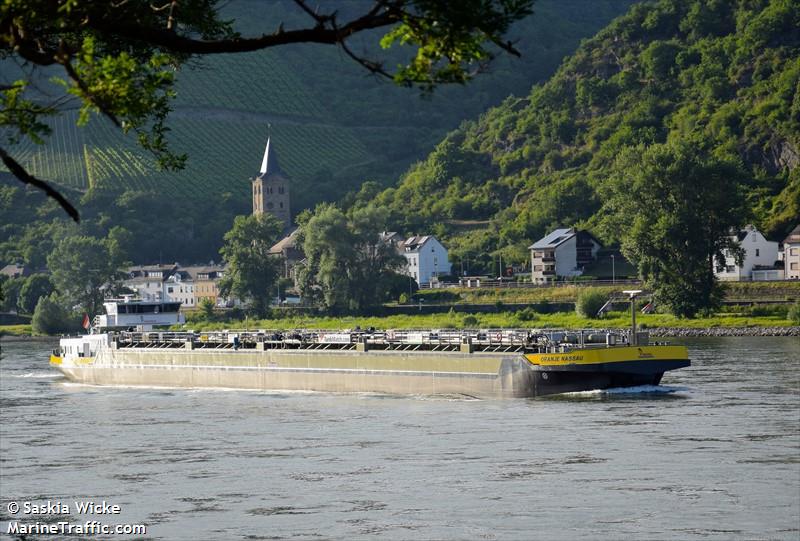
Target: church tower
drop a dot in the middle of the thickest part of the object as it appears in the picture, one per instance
(271, 189)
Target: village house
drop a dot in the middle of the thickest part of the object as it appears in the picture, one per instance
(426, 258)
(179, 287)
(147, 281)
(290, 252)
(758, 261)
(791, 255)
(188, 285)
(562, 253)
(206, 285)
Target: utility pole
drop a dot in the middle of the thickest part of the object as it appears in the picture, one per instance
(613, 270)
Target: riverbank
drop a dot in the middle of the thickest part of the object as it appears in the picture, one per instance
(655, 324)
(784, 291)
(675, 332)
(658, 324)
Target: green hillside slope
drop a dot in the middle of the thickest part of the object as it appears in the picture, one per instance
(332, 125)
(723, 73)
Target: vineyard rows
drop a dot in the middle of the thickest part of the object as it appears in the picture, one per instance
(223, 155)
(261, 81)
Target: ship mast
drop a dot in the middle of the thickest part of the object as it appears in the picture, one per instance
(632, 294)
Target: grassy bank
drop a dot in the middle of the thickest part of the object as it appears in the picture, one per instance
(734, 291)
(15, 330)
(503, 319)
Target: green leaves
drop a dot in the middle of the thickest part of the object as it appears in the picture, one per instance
(83, 268)
(21, 117)
(452, 38)
(673, 207)
(348, 268)
(134, 94)
(251, 272)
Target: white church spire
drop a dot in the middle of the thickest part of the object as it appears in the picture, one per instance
(269, 163)
(265, 161)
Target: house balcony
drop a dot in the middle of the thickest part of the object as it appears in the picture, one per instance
(549, 272)
(549, 259)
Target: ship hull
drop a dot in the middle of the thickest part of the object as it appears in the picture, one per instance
(483, 375)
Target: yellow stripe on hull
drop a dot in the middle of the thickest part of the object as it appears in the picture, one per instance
(74, 361)
(610, 355)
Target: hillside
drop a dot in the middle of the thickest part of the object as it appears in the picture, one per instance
(724, 73)
(333, 125)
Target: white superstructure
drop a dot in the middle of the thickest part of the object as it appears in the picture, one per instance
(142, 315)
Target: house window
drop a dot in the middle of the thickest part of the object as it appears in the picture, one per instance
(281, 204)
(537, 268)
(730, 268)
(280, 189)
(793, 266)
(169, 290)
(794, 251)
(757, 252)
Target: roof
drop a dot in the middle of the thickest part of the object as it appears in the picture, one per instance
(412, 244)
(387, 236)
(204, 270)
(553, 239)
(153, 268)
(289, 241)
(794, 236)
(741, 234)
(142, 280)
(269, 164)
(14, 270)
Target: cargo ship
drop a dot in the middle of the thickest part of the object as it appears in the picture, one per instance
(485, 363)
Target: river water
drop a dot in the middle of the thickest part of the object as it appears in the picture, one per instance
(713, 454)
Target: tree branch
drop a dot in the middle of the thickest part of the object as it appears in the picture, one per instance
(87, 95)
(174, 42)
(18, 171)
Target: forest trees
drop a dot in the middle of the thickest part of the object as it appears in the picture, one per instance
(85, 269)
(35, 287)
(348, 267)
(673, 206)
(252, 271)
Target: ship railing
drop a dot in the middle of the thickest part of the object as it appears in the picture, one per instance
(430, 338)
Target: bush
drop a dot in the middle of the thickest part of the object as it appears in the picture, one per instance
(793, 314)
(470, 321)
(35, 287)
(207, 309)
(589, 303)
(50, 318)
(403, 299)
(527, 314)
(766, 311)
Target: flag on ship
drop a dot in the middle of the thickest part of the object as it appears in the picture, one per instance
(648, 308)
(86, 322)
